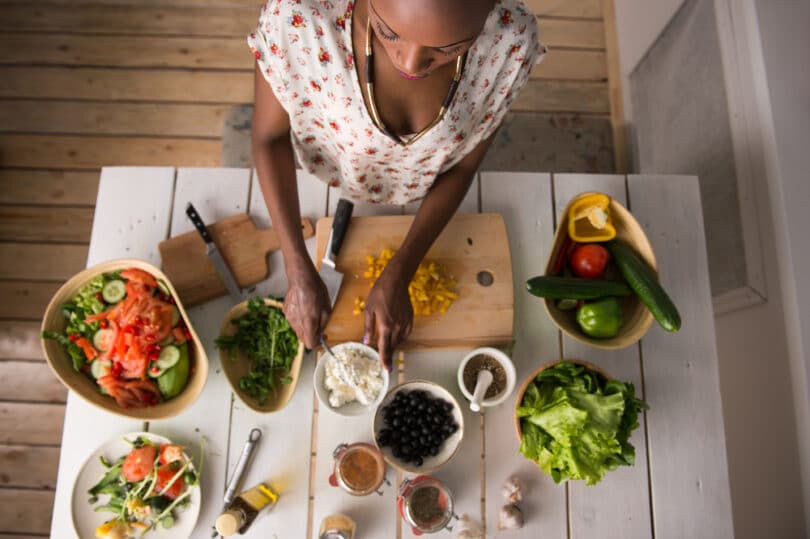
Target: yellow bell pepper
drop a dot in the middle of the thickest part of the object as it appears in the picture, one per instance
(589, 219)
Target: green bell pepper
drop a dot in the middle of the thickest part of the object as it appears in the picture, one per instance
(601, 319)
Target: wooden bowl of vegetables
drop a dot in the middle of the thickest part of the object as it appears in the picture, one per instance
(118, 336)
(575, 421)
(260, 354)
(603, 291)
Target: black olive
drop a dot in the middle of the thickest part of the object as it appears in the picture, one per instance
(397, 452)
(396, 435)
(396, 422)
(434, 450)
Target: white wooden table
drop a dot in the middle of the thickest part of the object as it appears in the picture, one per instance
(678, 487)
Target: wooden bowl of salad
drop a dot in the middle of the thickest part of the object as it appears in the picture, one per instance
(117, 335)
(256, 341)
(636, 318)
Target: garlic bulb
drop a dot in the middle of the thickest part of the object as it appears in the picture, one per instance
(467, 528)
(510, 517)
(512, 490)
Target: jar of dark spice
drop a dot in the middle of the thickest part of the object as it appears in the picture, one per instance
(426, 504)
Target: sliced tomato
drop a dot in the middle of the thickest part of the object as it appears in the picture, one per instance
(139, 463)
(90, 351)
(139, 276)
(171, 453)
(164, 475)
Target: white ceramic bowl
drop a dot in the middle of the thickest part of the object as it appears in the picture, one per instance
(506, 363)
(449, 446)
(352, 408)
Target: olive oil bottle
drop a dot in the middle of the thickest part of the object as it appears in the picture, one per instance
(244, 509)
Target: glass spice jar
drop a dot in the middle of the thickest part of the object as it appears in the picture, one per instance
(337, 527)
(426, 504)
(358, 468)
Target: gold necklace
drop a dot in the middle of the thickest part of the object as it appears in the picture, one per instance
(375, 115)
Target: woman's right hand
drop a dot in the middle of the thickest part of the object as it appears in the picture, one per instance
(307, 306)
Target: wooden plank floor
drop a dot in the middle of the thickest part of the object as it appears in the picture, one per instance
(73, 98)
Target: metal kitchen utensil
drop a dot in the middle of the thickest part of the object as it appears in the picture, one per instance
(329, 274)
(215, 256)
(239, 471)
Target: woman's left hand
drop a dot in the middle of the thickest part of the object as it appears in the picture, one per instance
(388, 315)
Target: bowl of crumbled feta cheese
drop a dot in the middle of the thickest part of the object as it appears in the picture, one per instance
(351, 383)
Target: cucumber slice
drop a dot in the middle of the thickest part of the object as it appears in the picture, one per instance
(175, 316)
(174, 380)
(164, 287)
(102, 338)
(114, 291)
(169, 356)
(100, 368)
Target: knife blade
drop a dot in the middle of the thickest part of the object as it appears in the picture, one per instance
(215, 256)
(331, 277)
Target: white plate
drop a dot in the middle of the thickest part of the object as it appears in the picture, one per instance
(85, 520)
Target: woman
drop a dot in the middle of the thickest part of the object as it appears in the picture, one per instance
(392, 101)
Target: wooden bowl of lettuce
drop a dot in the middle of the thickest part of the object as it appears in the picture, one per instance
(260, 354)
(574, 421)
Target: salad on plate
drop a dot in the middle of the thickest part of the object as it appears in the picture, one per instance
(145, 489)
(125, 331)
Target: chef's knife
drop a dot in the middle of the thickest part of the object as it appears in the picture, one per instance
(215, 256)
(331, 277)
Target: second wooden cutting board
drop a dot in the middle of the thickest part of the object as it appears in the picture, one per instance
(473, 249)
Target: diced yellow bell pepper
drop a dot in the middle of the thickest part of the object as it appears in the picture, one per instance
(589, 219)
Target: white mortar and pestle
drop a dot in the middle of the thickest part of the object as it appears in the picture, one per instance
(486, 370)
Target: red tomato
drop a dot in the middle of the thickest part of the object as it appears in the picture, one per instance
(164, 475)
(138, 463)
(171, 453)
(589, 261)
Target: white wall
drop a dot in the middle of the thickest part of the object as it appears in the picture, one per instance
(784, 99)
(763, 349)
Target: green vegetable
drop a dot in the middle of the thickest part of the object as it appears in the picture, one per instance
(76, 354)
(601, 319)
(574, 288)
(266, 338)
(174, 379)
(576, 424)
(644, 282)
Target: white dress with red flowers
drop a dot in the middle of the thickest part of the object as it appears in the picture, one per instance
(304, 49)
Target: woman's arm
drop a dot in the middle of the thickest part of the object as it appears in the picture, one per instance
(306, 305)
(388, 309)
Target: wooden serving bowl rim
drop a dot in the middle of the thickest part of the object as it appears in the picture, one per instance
(629, 231)
(232, 369)
(80, 384)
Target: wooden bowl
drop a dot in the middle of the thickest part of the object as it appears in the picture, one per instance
(529, 379)
(79, 383)
(239, 366)
(637, 318)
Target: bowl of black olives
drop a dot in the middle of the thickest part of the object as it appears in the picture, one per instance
(418, 426)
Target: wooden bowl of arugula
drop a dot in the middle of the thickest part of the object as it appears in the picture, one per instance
(260, 354)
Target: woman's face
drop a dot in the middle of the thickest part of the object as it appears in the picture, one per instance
(420, 36)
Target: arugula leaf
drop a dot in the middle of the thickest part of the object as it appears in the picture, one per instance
(576, 424)
(268, 340)
(76, 354)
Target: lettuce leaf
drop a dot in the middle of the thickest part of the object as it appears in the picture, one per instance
(576, 424)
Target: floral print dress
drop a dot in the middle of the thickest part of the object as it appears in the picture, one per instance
(305, 52)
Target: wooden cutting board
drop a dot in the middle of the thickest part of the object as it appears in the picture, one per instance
(243, 246)
(469, 248)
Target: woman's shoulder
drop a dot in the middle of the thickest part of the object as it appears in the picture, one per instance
(302, 15)
(509, 39)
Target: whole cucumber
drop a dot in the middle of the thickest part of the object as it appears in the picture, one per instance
(644, 282)
(573, 288)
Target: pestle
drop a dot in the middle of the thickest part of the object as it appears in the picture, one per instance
(482, 383)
